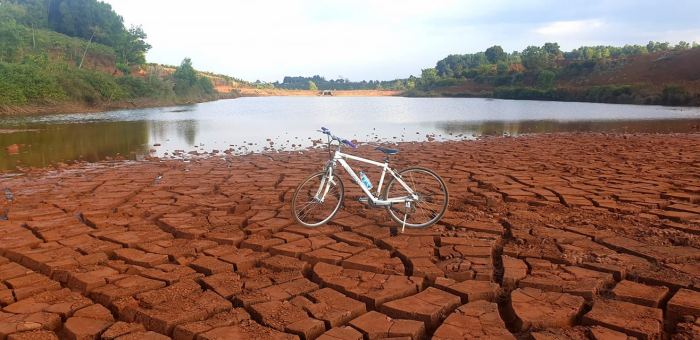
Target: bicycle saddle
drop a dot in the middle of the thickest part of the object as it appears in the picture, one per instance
(386, 150)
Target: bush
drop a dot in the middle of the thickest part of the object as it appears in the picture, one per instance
(25, 83)
(39, 82)
(609, 94)
(675, 95)
(597, 94)
(545, 79)
(151, 87)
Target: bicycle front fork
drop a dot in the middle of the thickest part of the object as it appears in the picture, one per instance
(325, 185)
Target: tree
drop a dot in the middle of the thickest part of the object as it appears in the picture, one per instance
(428, 76)
(682, 45)
(545, 79)
(502, 68)
(495, 54)
(33, 13)
(411, 82)
(675, 95)
(657, 46)
(132, 46)
(77, 18)
(537, 58)
(9, 40)
(205, 85)
(552, 49)
(185, 77)
(312, 86)
(534, 58)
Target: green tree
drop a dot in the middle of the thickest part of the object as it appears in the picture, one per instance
(495, 54)
(534, 58)
(653, 46)
(428, 76)
(32, 13)
(545, 79)
(205, 85)
(132, 46)
(312, 86)
(675, 95)
(185, 77)
(78, 18)
(682, 45)
(502, 68)
(411, 82)
(552, 49)
(9, 40)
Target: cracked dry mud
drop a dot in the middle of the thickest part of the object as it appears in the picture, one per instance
(580, 236)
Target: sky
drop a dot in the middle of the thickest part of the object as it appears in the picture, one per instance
(386, 39)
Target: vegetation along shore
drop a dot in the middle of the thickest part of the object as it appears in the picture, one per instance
(72, 56)
(65, 56)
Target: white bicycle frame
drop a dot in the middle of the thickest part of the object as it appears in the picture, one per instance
(340, 157)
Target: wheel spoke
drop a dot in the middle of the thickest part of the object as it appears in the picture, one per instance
(432, 198)
(307, 208)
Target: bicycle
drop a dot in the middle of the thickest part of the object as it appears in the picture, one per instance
(415, 197)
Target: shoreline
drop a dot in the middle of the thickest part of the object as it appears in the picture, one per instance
(574, 210)
(76, 107)
(252, 92)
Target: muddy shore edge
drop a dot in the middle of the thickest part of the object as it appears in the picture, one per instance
(581, 236)
(78, 107)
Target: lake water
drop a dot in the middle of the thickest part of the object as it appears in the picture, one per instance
(268, 124)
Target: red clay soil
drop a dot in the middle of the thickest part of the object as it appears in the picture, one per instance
(576, 236)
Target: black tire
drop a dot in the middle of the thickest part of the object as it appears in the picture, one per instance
(430, 208)
(308, 188)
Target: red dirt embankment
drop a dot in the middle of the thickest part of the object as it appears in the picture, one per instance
(580, 236)
(79, 107)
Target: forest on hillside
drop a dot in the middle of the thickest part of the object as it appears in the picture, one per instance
(54, 51)
(537, 72)
(546, 72)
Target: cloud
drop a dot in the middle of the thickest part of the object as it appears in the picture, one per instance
(369, 39)
(569, 28)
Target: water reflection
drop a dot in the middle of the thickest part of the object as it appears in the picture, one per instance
(187, 130)
(515, 128)
(67, 142)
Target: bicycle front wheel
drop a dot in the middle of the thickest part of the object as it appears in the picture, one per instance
(432, 198)
(307, 206)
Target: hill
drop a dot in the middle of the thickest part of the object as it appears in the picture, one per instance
(654, 74)
(77, 56)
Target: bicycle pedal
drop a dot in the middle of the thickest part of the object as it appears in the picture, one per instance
(364, 200)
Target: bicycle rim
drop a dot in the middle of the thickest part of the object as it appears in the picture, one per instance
(432, 203)
(307, 210)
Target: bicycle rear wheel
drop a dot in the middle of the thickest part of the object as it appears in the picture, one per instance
(432, 198)
(307, 209)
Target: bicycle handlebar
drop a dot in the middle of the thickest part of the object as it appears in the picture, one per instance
(326, 131)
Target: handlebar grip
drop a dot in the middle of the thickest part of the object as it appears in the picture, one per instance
(349, 143)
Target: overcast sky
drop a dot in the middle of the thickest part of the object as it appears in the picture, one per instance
(382, 39)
